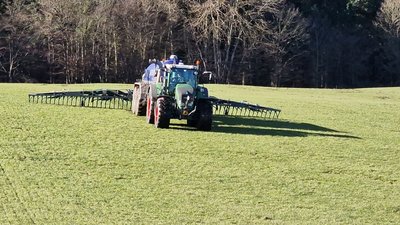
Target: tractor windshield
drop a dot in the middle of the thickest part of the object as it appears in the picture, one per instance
(183, 76)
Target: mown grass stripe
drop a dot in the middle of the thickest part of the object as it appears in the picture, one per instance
(14, 202)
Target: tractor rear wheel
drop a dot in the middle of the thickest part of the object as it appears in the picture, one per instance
(161, 113)
(204, 121)
(150, 110)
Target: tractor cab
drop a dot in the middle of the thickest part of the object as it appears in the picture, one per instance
(181, 75)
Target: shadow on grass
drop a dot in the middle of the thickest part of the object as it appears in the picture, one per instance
(281, 124)
(252, 126)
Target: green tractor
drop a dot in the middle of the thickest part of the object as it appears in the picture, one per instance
(172, 91)
(168, 90)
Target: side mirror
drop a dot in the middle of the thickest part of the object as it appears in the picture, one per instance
(206, 77)
(208, 74)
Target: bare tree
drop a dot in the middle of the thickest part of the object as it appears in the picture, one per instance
(58, 22)
(224, 29)
(16, 38)
(285, 39)
(105, 40)
(388, 20)
(146, 29)
(81, 39)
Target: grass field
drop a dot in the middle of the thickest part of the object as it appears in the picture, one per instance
(332, 158)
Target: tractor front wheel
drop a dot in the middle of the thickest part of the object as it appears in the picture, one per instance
(161, 114)
(204, 121)
(191, 122)
(150, 110)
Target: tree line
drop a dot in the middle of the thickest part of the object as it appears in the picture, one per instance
(294, 43)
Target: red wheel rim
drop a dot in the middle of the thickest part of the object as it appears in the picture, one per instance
(156, 115)
(148, 113)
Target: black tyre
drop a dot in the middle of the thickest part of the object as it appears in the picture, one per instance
(142, 109)
(192, 122)
(161, 113)
(204, 122)
(149, 110)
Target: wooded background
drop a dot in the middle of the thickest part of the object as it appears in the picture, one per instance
(294, 43)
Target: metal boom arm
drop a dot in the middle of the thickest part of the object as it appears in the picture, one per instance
(233, 108)
(101, 98)
(117, 99)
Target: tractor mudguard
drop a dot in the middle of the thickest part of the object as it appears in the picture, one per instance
(165, 97)
(202, 93)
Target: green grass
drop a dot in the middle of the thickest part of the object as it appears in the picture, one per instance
(332, 158)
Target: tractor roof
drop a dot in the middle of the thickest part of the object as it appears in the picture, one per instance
(180, 66)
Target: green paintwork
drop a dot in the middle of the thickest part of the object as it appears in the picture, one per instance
(179, 83)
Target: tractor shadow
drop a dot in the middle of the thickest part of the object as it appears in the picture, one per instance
(253, 126)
